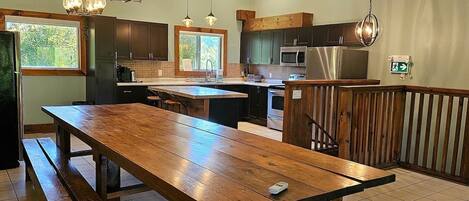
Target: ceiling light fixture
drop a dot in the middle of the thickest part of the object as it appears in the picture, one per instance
(84, 7)
(367, 31)
(211, 19)
(187, 20)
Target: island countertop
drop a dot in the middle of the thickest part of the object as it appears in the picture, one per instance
(196, 92)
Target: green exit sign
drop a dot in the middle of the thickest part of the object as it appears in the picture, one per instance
(399, 67)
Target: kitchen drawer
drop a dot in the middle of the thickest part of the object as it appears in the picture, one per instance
(132, 94)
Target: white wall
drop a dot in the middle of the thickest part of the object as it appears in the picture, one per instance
(63, 90)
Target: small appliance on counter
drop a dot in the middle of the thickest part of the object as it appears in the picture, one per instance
(254, 78)
(124, 74)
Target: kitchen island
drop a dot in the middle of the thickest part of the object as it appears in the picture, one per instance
(215, 105)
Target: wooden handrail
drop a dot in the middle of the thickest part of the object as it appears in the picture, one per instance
(343, 82)
(437, 91)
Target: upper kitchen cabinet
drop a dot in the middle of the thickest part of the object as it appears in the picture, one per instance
(335, 35)
(142, 40)
(123, 39)
(262, 47)
(103, 37)
(159, 41)
(298, 37)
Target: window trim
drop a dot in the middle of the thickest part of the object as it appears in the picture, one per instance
(224, 59)
(81, 71)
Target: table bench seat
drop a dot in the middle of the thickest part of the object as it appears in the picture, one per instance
(52, 174)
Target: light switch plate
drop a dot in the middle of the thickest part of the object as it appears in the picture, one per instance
(296, 94)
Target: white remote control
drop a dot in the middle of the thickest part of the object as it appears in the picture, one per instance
(278, 188)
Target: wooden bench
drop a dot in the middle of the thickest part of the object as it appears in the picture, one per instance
(52, 174)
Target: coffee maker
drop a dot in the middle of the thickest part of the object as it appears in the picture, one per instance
(124, 74)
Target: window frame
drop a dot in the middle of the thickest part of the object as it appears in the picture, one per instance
(81, 71)
(224, 58)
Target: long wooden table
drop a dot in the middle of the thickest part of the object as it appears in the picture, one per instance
(184, 158)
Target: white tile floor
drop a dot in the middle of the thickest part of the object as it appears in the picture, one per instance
(408, 187)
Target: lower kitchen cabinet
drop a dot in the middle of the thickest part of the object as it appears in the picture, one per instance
(133, 94)
(257, 110)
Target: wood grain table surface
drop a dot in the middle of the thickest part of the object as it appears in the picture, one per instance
(185, 158)
(196, 92)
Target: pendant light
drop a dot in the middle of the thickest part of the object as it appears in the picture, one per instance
(84, 7)
(187, 20)
(211, 19)
(367, 31)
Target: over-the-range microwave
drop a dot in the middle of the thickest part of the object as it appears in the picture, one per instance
(293, 56)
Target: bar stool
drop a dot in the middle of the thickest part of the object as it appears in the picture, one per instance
(153, 99)
(172, 103)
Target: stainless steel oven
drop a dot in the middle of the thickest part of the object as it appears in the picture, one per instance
(275, 107)
(293, 56)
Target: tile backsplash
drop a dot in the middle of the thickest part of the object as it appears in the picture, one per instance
(278, 72)
(149, 69)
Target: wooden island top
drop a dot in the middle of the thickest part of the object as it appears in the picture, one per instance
(196, 92)
(185, 158)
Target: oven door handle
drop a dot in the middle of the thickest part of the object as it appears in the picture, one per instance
(277, 93)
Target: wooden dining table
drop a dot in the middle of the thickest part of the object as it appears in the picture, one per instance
(185, 158)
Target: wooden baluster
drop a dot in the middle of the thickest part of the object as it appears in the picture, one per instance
(419, 129)
(437, 131)
(327, 116)
(372, 134)
(465, 152)
(355, 126)
(316, 117)
(363, 126)
(384, 129)
(379, 140)
(345, 120)
(379, 118)
(389, 138)
(335, 103)
(449, 114)
(323, 118)
(410, 127)
(427, 130)
(366, 129)
(399, 110)
(457, 136)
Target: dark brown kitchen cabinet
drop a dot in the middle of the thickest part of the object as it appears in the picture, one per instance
(298, 37)
(245, 48)
(335, 35)
(123, 39)
(277, 43)
(159, 42)
(266, 38)
(132, 94)
(142, 40)
(258, 105)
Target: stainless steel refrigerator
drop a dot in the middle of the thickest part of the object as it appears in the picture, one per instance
(332, 63)
(10, 100)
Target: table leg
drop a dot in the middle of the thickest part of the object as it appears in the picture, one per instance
(62, 139)
(107, 176)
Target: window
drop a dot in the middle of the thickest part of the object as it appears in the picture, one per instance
(199, 50)
(49, 46)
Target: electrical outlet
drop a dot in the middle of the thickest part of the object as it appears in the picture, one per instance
(160, 73)
(270, 75)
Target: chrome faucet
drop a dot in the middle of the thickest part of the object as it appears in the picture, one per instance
(207, 75)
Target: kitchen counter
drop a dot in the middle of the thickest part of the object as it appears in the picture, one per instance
(191, 82)
(196, 92)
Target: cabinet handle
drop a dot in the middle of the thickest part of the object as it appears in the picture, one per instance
(127, 92)
(149, 56)
(341, 40)
(131, 55)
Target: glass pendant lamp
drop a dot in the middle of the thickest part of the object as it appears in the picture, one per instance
(187, 20)
(211, 19)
